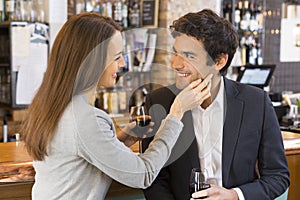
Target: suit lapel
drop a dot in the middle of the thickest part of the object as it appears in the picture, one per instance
(234, 111)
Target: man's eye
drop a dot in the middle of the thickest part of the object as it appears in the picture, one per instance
(189, 56)
(173, 51)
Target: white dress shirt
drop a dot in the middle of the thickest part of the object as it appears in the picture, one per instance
(208, 127)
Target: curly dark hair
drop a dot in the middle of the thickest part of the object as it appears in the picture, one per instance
(216, 33)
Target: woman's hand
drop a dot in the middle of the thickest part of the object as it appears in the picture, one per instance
(216, 192)
(192, 96)
(127, 135)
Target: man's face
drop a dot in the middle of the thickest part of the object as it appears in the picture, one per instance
(190, 61)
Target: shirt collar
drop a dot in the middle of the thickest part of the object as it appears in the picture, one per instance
(219, 100)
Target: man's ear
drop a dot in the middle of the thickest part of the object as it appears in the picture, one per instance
(221, 61)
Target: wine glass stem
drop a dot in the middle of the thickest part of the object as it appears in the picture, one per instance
(140, 147)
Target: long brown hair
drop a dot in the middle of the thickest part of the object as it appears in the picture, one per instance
(68, 73)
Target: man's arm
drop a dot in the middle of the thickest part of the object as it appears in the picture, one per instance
(272, 164)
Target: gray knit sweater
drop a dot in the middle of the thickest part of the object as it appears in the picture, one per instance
(85, 155)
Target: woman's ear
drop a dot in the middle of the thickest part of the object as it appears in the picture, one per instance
(221, 62)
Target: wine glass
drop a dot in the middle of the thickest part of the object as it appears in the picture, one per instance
(198, 181)
(140, 115)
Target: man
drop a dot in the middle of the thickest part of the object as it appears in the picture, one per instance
(234, 136)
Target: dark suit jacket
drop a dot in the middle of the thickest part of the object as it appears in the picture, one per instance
(253, 156)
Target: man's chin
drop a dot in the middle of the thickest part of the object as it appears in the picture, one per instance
(182, 84)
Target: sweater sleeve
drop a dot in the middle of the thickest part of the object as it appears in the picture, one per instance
(98, 145)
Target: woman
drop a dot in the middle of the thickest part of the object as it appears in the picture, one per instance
(74, 145)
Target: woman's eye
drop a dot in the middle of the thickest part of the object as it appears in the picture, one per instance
(117, 58)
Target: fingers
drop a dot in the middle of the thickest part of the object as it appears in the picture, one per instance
(216, 192)
(206, 83)
(131, 125)
(195, 83)
(206, 193)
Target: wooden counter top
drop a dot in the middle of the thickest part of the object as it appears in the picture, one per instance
(15, 163)
(14, 154)
(291, 142)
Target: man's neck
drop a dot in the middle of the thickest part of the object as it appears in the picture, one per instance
(214, 91)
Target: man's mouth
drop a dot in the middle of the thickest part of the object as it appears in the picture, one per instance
(183, 74)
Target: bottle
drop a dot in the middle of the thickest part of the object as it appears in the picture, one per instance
(1, 10)
(124, 14)
(9, 9)
(122, 96)
(259, 54)
(80, 6)
(237, 17)
(97, 7)
(245, 22)
(107, 9)
(134, 14)
(227, 11)
(25, 9)
(89, 5)
(259, 17)
(5, 135)
(117, 11)
(253, 54)
(253, 25)
(113, 102)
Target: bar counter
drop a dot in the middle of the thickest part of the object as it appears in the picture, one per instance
(17, 173)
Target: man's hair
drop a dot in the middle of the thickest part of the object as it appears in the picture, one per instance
(216, 33)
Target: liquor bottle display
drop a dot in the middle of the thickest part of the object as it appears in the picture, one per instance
(126, 93)
(22, 10)
(127, 13)
(248, 19)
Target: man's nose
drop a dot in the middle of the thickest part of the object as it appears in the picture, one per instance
(177, 61)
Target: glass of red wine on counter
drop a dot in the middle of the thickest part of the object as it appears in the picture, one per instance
(140, 115)
(198, 181)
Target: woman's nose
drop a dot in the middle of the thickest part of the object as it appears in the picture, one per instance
(177, 61)
(122, 62)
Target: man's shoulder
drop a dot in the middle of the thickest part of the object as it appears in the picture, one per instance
(242, 90)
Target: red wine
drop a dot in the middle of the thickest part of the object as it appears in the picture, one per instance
(142, 120)
(195, 188)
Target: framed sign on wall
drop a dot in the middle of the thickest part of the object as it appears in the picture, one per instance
(150, 13)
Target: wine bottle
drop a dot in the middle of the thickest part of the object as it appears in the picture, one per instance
(9, 9)
(125, 14)
(1, 10)
(117, 11)
(122, 95)
(97, 7)
(227, 10)
(237, 17)
(134, 14)
(107, 9)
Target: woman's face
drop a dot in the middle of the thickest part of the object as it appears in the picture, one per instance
(114, 61)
